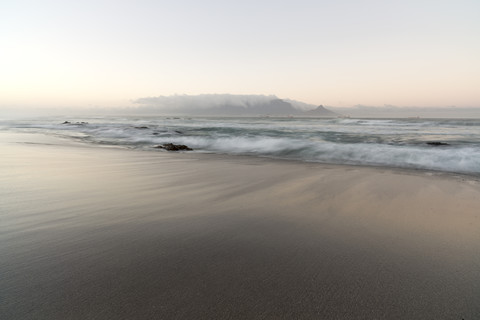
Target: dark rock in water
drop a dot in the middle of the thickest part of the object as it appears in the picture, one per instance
(174, 147)
(141, 127)
(436, 143)
(75, 123)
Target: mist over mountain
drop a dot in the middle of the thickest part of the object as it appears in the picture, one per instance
(240, 105)
(230, 105)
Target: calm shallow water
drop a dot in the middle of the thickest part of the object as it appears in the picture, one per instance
(402, 143)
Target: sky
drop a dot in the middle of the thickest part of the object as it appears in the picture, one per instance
(336, 53)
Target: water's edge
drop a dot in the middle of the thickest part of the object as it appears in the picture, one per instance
(447, 145)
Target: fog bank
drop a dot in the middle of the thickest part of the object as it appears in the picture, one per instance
(229, 105)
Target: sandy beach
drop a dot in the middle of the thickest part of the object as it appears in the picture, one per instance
(108, 233)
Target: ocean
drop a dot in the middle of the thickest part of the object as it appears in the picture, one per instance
(448, 145)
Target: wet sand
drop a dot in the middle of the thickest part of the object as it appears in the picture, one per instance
(106, 233)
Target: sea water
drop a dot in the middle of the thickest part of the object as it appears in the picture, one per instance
(451, 145)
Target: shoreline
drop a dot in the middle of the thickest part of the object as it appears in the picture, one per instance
(115, 233)
(66, 142)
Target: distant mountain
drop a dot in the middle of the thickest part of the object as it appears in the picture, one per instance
(320, 111)
(230, 105)
(276, 107)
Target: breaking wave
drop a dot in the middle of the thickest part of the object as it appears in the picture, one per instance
(433, 144)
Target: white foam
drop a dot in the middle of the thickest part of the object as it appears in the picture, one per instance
(395, 143)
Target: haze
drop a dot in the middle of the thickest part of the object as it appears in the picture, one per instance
(335, 53)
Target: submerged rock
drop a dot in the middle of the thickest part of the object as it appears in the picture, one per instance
(76, 123)
(437, 143)
(174, 147)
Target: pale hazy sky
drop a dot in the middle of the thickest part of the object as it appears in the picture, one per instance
(337, 53)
